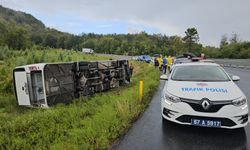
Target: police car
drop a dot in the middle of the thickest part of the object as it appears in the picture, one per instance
(203, 94)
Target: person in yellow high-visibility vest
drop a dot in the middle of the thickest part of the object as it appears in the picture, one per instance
(160, 62)
(170, 62)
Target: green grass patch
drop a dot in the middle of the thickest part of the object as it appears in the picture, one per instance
(88, 123)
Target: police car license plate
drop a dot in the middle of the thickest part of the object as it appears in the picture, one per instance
(206, 123)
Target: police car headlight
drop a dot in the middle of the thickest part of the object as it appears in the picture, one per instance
(239, 102)
(172, 98)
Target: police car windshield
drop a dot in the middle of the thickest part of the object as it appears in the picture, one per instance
(204, 73)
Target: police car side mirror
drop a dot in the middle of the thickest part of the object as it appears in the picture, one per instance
(235, 78)
(164, 77)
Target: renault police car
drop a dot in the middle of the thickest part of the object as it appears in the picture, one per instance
(203, 94)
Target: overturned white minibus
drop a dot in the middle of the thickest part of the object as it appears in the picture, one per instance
(46, 84)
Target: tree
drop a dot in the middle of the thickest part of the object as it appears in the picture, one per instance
(177, 45)
(223, 41)
(191, 38)
(37, 39)
(50, 41)
(90, 43)
(18, 38)
(61, 42)
(234, 38)
(3, 31)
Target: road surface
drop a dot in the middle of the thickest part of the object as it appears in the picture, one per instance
(236, 62)
(148, 132)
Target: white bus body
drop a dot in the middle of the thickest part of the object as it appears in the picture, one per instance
(44, 85)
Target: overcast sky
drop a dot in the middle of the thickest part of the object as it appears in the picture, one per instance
(212, 18)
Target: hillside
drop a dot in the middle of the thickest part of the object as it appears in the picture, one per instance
(20, 30)
(19, 18)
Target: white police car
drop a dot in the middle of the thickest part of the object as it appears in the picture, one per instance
(203, 94)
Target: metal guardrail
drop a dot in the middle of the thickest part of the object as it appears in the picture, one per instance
(234, 63)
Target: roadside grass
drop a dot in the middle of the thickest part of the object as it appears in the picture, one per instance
(87, 123)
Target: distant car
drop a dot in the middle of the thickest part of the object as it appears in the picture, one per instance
(181, 60)
(203, 94)
(87, 50)
(134, 57)
(186, 55)
(144, 58)
(189, 60)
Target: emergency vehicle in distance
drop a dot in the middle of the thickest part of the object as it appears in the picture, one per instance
(46, 84)
(203, 94)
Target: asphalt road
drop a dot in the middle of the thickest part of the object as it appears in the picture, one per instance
(148, 132)
(237, 62)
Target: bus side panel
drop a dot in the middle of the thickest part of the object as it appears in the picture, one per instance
(21, 87)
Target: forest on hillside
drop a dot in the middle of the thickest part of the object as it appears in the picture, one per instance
(20, 31)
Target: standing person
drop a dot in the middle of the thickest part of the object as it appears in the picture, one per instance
(170, 62)
(160, 62)
(156, 63)
(165, 63)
